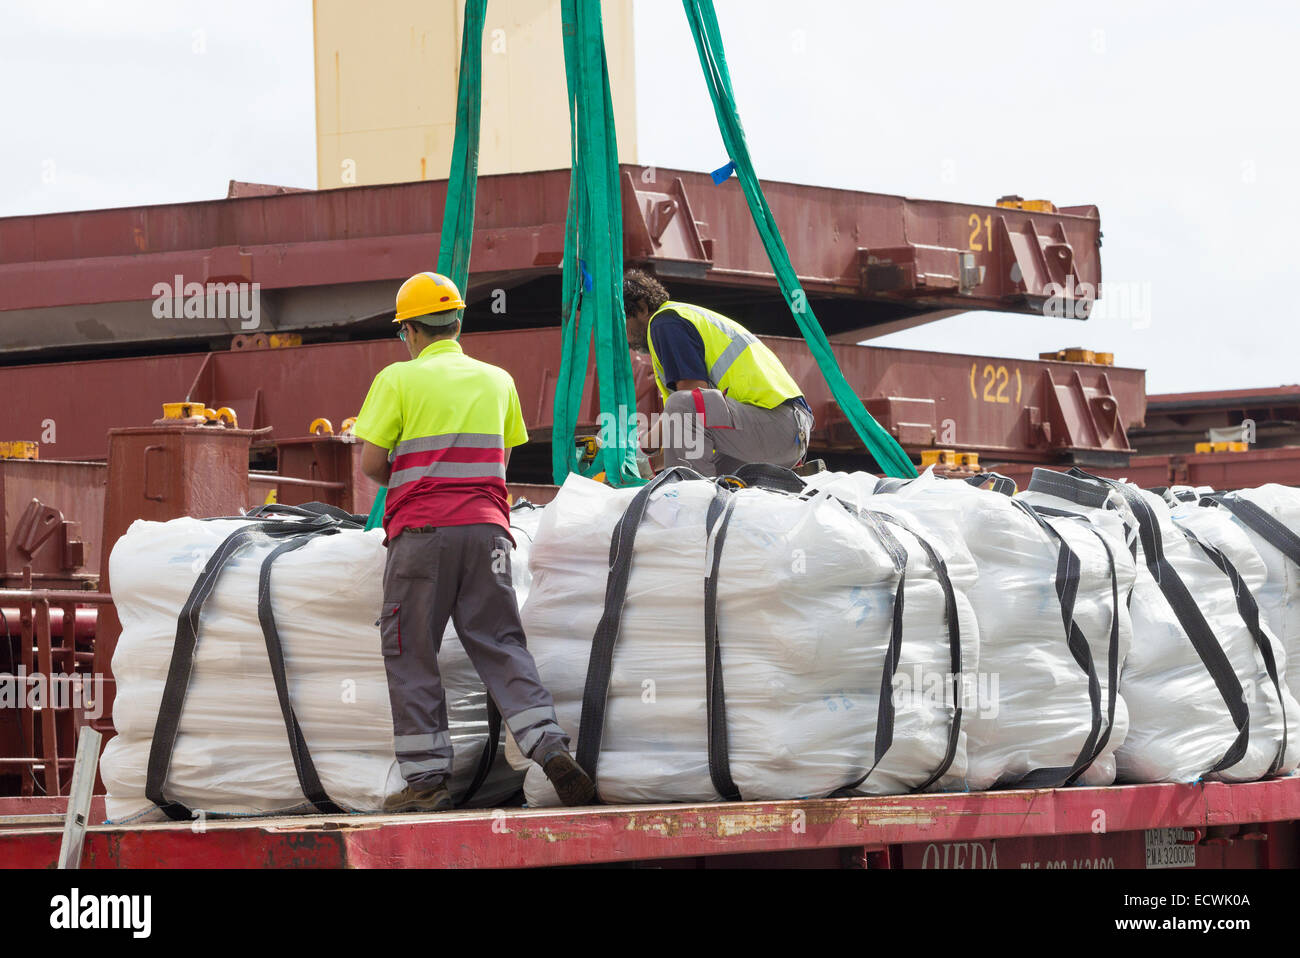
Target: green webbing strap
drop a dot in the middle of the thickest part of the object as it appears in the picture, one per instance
(593, 260)
(376, 517)
(462, 183)
(708, 41)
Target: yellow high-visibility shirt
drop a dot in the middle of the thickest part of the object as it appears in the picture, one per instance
(446, 420)
(739, 363)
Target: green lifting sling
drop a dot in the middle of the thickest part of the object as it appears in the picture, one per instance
(462, 183)
(887, 452)
(593, 262)
(593, 241)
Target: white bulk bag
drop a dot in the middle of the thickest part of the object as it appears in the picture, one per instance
(1276, 537)
(1030, 719)
(804, 599)
(232, 755)
(1187, 705)
(1216, 521)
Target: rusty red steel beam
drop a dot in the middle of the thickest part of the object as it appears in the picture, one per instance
(1221, 470)
(539, 837)
(1270, 416)
(842, 241)
(1030, 409)
(1025, 409)
(1225, 398)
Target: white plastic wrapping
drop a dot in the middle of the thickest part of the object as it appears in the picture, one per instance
(804, 609)
(232, 754)
(1267, 583)
(1279, 596)
(1030, 709)
(1180, 726)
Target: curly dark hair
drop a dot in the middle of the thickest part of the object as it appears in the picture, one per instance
(642, 291)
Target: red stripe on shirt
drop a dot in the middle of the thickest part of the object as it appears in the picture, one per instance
(411, 460)
(447, 502)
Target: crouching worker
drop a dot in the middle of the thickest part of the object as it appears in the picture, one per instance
(727, 398)
(438, 432)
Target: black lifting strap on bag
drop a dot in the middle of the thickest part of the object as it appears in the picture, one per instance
(1258, 521)
(595, 692)
(181, 667)
(486, 757)
(308, 779)
(1189, 617)
(308, 510)
(1248, 609)
(893, 654)
(773, 479)
(996, 482)
(1068, 568)
(719, 516)
(1074, 486)
(893, 649)
(765, 475)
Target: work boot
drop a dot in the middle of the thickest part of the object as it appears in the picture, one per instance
(433, 798)
(571, 783)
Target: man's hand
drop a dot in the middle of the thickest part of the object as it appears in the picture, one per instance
(375, 464)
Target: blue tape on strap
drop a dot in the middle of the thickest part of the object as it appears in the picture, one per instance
(586, 277)
(723, 173)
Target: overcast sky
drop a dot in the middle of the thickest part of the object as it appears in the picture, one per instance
(1178, 120)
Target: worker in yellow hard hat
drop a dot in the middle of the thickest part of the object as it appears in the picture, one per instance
(728, 400)
(438, 432)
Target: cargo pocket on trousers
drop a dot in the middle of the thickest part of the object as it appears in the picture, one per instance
(712, 406)
(390, 628)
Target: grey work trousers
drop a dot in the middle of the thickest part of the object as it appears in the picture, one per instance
(461, 573)
(729, 433)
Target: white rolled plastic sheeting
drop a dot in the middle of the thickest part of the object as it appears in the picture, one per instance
(1187, 704)
(805, 600)
(232, 755)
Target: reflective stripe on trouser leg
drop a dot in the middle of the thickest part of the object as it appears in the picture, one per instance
(486, 617)
(532, 727)
(423, 600)
(424, 755)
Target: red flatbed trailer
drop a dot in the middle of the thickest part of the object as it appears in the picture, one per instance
(1208, 825)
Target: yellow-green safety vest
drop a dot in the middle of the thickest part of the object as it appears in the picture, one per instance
(739, 363)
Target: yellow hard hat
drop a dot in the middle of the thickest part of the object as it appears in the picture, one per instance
(427, 293)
